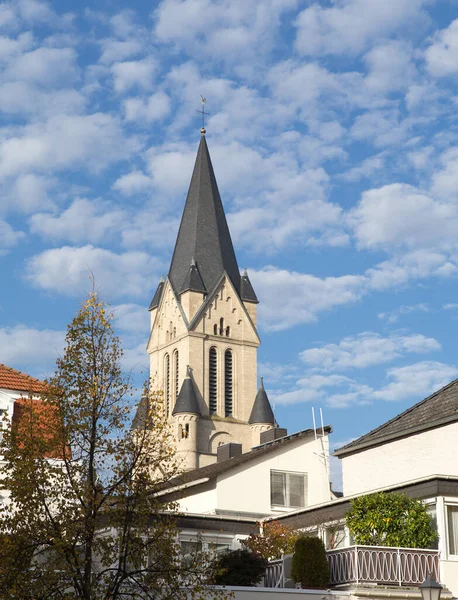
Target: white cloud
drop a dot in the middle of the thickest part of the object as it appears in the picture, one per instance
(133, 183)
(406, 309)
(37, 349)
(367, 349)
(400, 215)
(420, 380)
(118, 50)
(445, 180)
(442, 56)
(84, 220)
(46, 66)
(304, 296)
(26, 99)
(65, 142)
(229, 29)
(66, 270)
(8, 236)
(131, 74)
(29, 192)
(132, 318)
(350, 25)
(153, 108)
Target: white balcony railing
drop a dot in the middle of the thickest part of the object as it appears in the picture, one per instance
(366, 564)
(378, 564)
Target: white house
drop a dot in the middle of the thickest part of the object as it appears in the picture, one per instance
(283, 473)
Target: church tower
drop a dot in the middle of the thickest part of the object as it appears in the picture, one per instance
(203, 341)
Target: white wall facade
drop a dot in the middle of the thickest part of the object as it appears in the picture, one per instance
(246, 488)
(420, 455)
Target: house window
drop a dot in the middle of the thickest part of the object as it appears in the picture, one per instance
(228, 393)
(213, 382)
(288, 489)
(452, 526)
(167, 383)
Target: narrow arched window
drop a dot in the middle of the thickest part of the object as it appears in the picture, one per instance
(215, 329)
(167, 383)
(213, 382)
(228, 331)
(221, 326)
(177, 371)
(228, 383)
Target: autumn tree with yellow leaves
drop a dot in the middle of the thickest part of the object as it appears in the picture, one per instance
(83, 520)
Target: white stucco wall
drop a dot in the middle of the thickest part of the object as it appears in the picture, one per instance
(420, 455)
(201, 501)
(247, 488)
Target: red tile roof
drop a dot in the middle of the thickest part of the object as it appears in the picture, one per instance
(11, 379)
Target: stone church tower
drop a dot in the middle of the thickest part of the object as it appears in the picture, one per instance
(203, 342)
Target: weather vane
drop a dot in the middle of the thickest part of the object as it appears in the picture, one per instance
(203, 113)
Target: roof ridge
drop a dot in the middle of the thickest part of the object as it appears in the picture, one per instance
(359, 440)
(20, 374)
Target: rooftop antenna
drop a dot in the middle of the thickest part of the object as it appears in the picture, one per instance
(321, 452)
(203, 113)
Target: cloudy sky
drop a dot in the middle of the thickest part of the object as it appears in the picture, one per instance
(333, 133)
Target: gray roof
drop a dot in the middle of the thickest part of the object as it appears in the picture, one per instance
(246, 289)
(215, 469)
(262, 411)
(187, 401)
(157, 296)
(193, 281)
(438, 409)
(204, 233)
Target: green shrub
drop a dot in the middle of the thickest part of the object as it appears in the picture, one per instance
(310, 566)
(391, 519)
(238, 567)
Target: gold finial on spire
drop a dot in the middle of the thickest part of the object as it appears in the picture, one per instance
(203, 113)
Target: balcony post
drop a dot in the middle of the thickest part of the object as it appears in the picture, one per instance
(356, 565)
(399, 567)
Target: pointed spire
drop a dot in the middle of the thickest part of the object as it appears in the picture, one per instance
(157, 295)
(246, 289)
(262, 411)
(187, 401)
(193, 281)
(204, 233)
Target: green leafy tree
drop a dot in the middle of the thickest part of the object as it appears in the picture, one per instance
(238, 567)
(83, 521)
(391, 519)
(309, 566)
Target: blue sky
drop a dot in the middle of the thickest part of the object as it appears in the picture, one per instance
(333, 133)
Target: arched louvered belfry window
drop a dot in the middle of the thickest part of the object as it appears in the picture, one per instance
(167, 383)
(177, 371)
(228, 383)
(213, 382)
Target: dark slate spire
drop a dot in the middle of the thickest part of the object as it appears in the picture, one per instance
(157, 295)
(193, 281)
(246, 289)
(203, 232)
(262, 411)
(187, 399)
(142, 411)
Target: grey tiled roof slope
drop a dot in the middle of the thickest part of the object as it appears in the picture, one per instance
(438, 409)
(204, 233)
(212, 471)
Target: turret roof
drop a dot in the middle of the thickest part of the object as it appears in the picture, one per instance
(187, 401)
(262, 411)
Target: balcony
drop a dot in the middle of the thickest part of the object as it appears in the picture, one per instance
(366, 564)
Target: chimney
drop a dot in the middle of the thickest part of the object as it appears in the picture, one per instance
(230, 450)
(273, 434)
